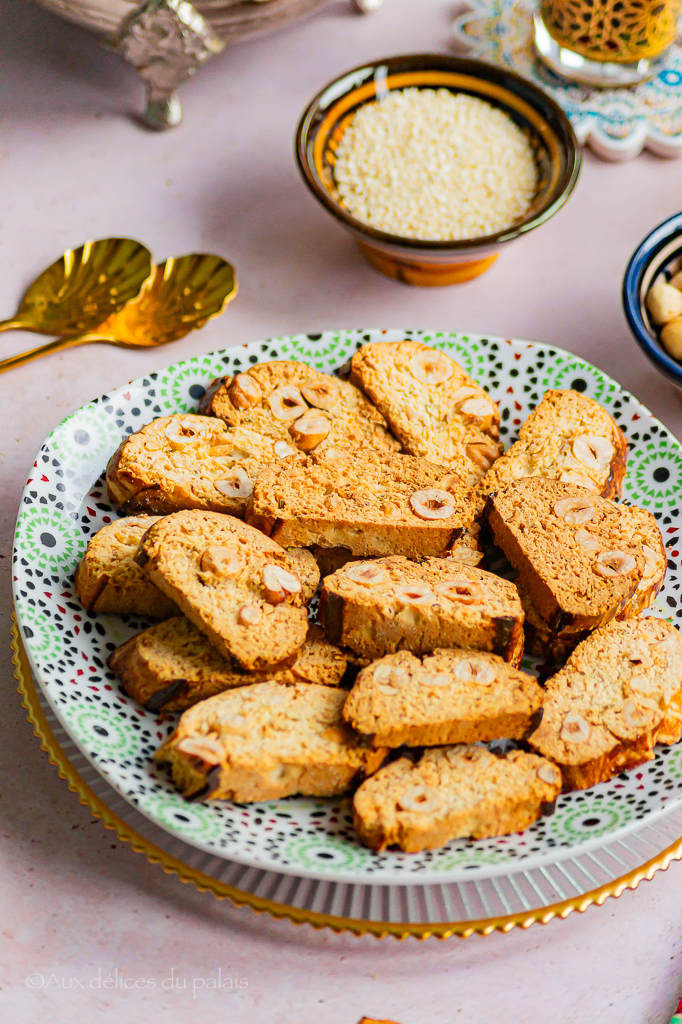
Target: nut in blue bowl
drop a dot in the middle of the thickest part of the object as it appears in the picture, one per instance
(658, 258)
(419, 260)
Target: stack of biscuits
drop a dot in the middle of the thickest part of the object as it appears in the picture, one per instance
(379, 489)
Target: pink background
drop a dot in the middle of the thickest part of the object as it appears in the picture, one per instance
(73, 165)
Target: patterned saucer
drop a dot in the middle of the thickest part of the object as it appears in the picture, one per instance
(65, 502)
(617, 124)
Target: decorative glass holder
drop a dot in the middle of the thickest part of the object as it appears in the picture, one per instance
(606, 42)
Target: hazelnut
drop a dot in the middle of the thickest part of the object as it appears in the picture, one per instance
(431, 367)
(671, 337)
(635, 715)
(475, 670)
(221, 561)
(614, 563)
(415, 594)
(205, 747)
(586, 541)
(593, 452)
(462, 590)
(549, 773)
(575, 511)
(434, 680)
(286, 403)
(310, 430)
(250, 615)
(279, 584)
(575, 729)
(367, 574)
(323, 394)
(664, 302)
(420, 799)
(483, 454)
(282, 450)
(237, 485)
(432, 503)
(244, 391)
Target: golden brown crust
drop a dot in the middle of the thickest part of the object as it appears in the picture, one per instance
(452, 792)
(225, 577)
(578, 559)
(372, 506)
(390, 604)
(268, 741)
(173, 666)
(567, 437)
(618, 695)
(453, 696)
(272, 397)
(432, 406)
(185, 462)
(109, 580)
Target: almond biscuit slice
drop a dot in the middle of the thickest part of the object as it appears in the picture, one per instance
(374, 504)
(268, 741)
(618, 694)
(303, 408)
(578, 557)
(453, 792)
(236, 585)
(567, 437)
(431, 405)
(451, 696)
(391, 604)
(186, 461)
(108, 579)
(173, 666)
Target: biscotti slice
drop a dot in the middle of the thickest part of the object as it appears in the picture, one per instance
(392, 604)
(108, 579)
(300, 406)
(376, 504)
(453, 696)
(174, 665)
(643, 530)
(268, 741)
(186, 461)
(554, 646)
(304, 565)
(432, 406)
(578, 558)
(618, 694)
(236, 585)
(452, 792)
(567, 437)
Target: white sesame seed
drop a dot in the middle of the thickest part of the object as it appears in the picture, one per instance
(435, 165)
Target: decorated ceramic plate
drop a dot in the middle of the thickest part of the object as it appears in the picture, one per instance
(65, 502)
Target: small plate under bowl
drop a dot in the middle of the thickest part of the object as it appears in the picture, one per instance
(418, 261)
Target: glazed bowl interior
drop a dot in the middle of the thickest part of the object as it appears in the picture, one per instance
(659, 254)
(542, 121)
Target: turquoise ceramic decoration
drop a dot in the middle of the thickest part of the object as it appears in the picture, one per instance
(617, 124)
(65, 502)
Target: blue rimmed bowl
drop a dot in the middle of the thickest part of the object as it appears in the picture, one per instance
(659, 253)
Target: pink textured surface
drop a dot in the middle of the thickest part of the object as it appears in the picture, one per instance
(73, 901)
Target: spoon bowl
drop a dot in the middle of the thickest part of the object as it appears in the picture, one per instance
(83, 287)
(179, 296)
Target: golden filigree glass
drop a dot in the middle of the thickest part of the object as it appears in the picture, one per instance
(621, 31)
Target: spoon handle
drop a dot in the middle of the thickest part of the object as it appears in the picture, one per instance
(34, 353)
(13, 325)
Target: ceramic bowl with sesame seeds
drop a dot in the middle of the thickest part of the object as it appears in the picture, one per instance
(467, 139)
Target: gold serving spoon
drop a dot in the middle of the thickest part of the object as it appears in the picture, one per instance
(83, 287)
(180, 296)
